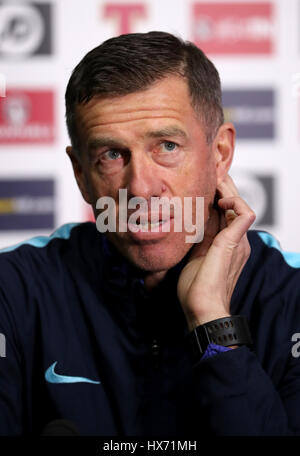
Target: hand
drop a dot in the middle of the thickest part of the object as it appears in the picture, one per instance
(206, 283)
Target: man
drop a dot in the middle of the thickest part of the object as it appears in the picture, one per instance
(136, 331)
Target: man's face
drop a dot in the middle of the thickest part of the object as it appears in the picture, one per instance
(152, 144)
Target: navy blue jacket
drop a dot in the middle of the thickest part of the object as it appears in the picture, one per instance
(86, 342)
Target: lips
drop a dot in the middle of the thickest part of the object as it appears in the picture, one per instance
(148, 217)
(146, 224)
(150, 231)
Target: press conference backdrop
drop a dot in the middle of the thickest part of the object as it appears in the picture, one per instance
(255, 46)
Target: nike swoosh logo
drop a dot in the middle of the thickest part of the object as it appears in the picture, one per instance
(53, 377)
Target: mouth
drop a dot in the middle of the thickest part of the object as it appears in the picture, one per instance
(144, 229)
(145, 224)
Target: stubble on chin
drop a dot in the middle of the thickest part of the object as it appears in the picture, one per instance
(155, 257)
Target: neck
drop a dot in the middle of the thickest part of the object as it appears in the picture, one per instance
(152, 279)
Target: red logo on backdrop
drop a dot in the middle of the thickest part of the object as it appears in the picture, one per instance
(234, 28)
(125, 14)
(27, 117)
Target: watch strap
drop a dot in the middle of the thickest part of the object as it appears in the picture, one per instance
(227, 331)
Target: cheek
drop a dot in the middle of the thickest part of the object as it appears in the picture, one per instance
(102, 186)
(201, 180)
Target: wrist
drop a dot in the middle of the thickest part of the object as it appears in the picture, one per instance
(197, 320)
(229, 331)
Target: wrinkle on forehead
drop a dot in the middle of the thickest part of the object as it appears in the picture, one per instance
(136, 118)
(170, 96)
(167, 100)
(97, 118)
(120, 113)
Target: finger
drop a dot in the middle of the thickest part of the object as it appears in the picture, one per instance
(230, 215)
(240, 221)
(227, 187)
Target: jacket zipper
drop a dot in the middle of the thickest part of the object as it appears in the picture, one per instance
(155, 349)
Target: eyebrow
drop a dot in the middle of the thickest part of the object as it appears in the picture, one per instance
(103, 141)
(167, 132)
(108, 141)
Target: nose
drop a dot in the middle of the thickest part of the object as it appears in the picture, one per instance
(143, 178)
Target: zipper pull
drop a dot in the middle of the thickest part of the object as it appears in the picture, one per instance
(155, 348)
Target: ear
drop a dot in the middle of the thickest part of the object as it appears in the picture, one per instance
(79, 174)
(223, 147)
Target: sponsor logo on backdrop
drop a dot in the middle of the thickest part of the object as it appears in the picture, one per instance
(26, 204)
(251, 111)
(27, 117)
(25, 29)
(125, 14)
(2, 85)
(234, 28)
(258, 191)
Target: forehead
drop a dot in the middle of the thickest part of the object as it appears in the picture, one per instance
(167, 99)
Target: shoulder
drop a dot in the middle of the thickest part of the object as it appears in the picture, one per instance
(271, 293)
(66, 232)
(268, 255)
(66, 236)
(35, 274)
(24, 264)
(270, 280)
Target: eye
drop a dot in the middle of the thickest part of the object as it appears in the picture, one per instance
(169, 146)
(112, 154)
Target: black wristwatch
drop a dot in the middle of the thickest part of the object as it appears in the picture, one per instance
(233, 330)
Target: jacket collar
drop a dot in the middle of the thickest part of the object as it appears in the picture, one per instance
(124, 283)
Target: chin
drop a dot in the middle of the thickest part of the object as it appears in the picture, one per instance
(155, 257)
(151, 263)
